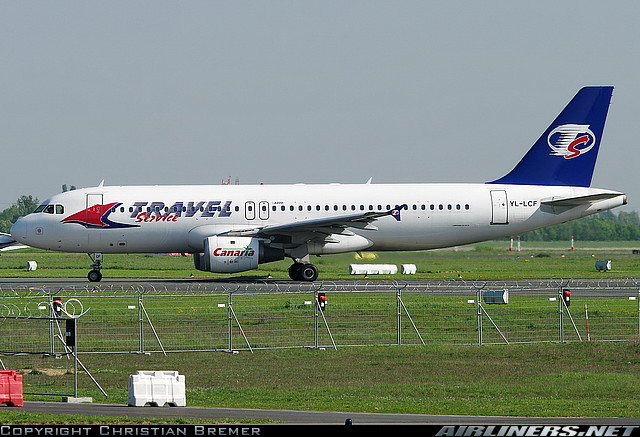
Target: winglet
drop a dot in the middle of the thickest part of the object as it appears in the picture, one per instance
(566, 153)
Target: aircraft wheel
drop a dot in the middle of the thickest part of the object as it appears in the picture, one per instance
(308, 273)
(294, 271)
(94, 276)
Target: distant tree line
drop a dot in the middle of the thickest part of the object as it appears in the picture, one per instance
(23, 206)
(604, 226)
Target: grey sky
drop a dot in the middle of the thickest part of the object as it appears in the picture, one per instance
(167, 92)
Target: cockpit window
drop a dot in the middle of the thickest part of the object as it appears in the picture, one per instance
(50, 209)
(40, 208)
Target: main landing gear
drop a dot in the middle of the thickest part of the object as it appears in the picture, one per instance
(95, 275)
(303, 272)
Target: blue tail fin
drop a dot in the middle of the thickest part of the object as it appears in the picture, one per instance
(566, 152)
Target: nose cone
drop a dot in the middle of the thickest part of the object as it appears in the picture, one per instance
(19, 230)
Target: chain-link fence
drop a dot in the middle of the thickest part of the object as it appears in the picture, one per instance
(224, 316)
(249, 316)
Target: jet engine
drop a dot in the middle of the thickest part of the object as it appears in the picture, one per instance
(235, 254)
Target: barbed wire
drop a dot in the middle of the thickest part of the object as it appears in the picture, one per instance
(275, 286)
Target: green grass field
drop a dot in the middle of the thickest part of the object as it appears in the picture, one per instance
(490, 260)
(543, 379)
(569, 380)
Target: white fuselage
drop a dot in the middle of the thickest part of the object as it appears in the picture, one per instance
(167, 219)
(234, 228)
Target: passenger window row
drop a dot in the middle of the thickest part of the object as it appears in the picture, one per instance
(432, 207)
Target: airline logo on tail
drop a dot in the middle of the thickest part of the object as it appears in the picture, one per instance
(571, 140)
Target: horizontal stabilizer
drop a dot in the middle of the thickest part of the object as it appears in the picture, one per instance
(579, 200)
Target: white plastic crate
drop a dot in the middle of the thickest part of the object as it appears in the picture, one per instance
(157, 388)
(373, 269)
(408, 269)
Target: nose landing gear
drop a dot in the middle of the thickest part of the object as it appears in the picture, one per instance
(95, 275)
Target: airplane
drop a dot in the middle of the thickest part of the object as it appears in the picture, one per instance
(235, 228)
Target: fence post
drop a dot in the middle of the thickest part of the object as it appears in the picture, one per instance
(51, 327)
(561, 305)
(561, 314)
(638, 298)
(140, 324)
(398, 317)
(479, 310)
(72, 328)
(229, 322)
(316, 334)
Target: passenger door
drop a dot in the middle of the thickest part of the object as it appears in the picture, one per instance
(499, 208)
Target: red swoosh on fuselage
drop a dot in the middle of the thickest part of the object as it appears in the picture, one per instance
(91, 216)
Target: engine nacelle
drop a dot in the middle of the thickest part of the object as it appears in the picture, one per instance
(234, 254)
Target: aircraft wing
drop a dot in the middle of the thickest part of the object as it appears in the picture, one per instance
(20, 246)
(323, 225)
(6, 240)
